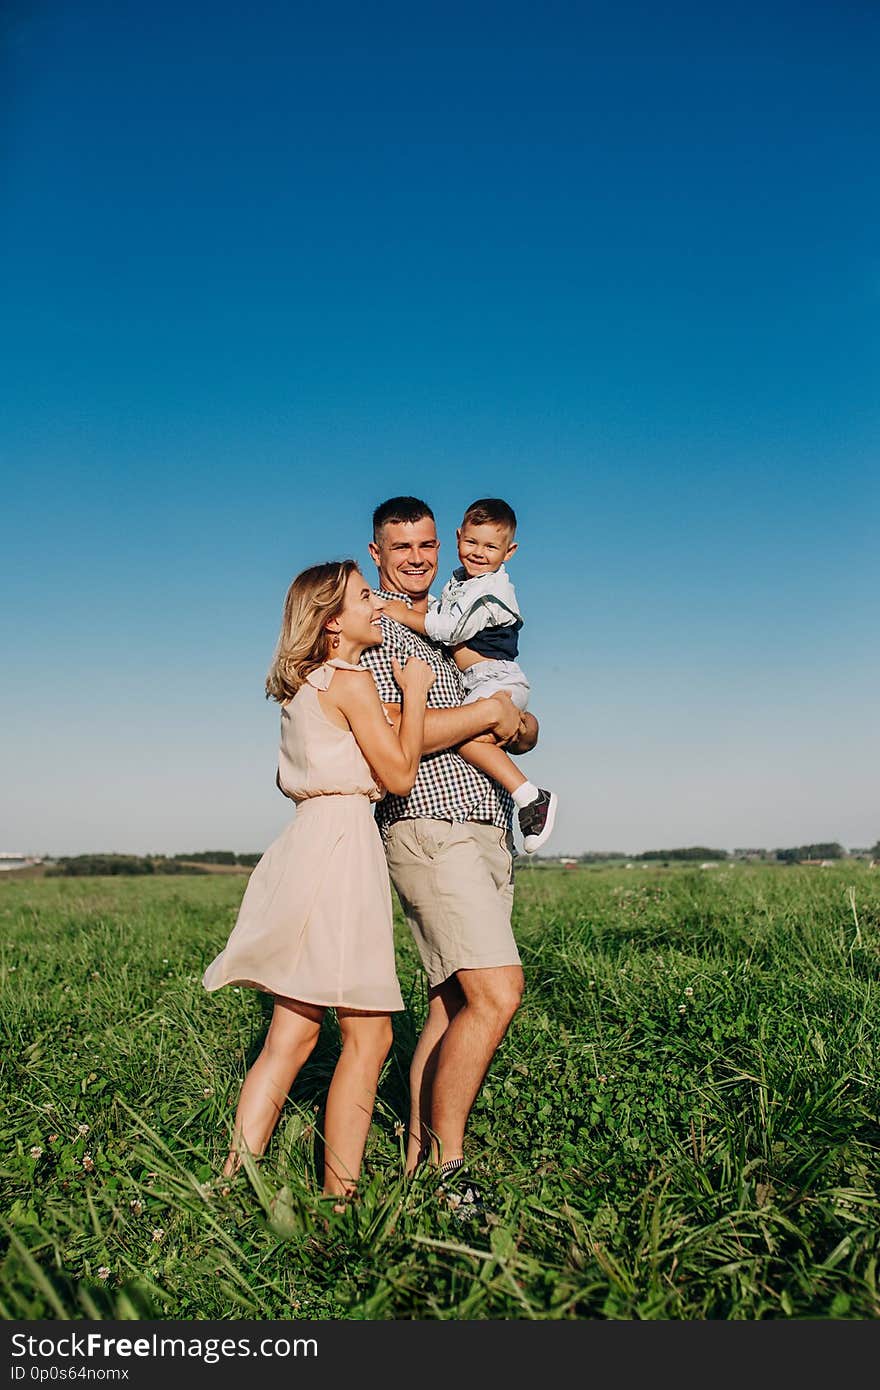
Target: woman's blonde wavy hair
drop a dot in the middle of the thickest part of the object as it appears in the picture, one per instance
(303, 642)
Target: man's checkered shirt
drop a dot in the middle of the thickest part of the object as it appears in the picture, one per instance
(446, 787)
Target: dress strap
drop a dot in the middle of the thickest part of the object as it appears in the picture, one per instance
(321, 677)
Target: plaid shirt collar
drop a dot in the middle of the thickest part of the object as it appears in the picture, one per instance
(392, 593)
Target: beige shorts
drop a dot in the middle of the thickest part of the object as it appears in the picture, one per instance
(455, 883)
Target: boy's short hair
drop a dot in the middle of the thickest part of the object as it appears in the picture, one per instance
(408, 509)
(493, 510)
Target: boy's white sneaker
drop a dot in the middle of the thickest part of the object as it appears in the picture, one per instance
(536, 820)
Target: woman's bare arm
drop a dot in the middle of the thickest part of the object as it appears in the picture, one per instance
(393, 754)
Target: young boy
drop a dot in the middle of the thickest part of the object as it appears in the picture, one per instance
(478, 617)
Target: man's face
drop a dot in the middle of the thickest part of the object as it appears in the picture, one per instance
(406, 555)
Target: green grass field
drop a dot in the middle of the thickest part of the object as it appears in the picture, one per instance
(682, 1122)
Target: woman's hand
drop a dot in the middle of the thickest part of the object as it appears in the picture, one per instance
(415, 678)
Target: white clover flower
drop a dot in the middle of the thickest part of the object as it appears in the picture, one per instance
(103, 1272)
(82, 1130)
(689, 991)
(137, 1206)
(88, 1162)
(682, 1008)
(36, 1151)
(158, 1235)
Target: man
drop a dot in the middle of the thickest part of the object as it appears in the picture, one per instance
(449, 850)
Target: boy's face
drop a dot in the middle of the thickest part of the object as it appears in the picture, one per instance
(483, 549)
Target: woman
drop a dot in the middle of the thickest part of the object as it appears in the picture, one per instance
(314, 927)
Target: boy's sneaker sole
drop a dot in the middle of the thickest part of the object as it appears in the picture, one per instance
(536, 820)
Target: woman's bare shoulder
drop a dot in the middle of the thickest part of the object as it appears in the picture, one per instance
(354, 683)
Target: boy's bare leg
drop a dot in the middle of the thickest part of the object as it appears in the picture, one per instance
(537, 824)
(492, 760)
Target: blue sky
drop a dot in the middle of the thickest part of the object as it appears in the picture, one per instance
(618, 264)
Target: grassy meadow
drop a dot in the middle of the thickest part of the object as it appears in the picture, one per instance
(681, 1124)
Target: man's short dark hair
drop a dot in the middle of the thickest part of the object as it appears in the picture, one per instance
(399, 509)
(493, 510)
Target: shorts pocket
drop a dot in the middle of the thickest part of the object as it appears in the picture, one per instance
(433, 836)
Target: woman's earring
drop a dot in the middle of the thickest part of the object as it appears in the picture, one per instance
(334, 640)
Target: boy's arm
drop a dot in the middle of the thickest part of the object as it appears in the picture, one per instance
(396, 608)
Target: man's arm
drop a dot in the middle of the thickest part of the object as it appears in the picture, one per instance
(524, 740)
(447, 728)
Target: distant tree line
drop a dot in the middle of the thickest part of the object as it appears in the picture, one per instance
(828, 851)
(84, 865)
(795, 854)
(219, 856)
(87, 865)
(599, 856)
(692, 852)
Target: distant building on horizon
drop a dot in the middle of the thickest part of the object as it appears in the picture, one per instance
(9, 859)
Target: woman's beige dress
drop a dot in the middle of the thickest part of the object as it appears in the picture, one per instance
(315, 919)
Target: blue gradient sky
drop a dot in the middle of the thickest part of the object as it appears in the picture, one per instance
(616, 263)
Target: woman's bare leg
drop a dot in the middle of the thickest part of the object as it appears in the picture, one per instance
(366, 1042)
(292, 1035)
(492, 760)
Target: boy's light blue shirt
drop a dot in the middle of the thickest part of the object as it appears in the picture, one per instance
(467, 606)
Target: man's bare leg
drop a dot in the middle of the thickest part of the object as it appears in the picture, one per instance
(492, 997)
(444, 1002)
